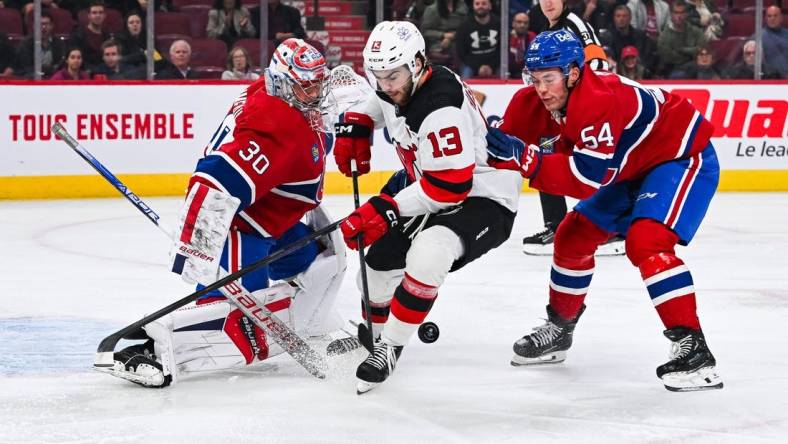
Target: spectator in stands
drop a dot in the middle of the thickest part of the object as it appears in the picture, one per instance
(177, 68)
(7, 57)
(519, 40)
(746, 68)
(415, 11)
(27, 6)
(703, 14)
(239, 66)
(630, 65)
(284, 22)
(73, 67)
(775, 42)
(113, 68)
(89, 38)
(229, 21)
(649, 16)
(158, 6)
(478, 42)
(703, 66)
(679, 41)
(133, 40)
(624, 34)
(439, 25)
(599, 13)
(53, 50)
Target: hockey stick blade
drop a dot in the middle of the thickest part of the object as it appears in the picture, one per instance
(258, 313)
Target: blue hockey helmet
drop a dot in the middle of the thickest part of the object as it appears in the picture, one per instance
(553, 49)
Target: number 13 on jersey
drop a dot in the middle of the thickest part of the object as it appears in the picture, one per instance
(446, 142)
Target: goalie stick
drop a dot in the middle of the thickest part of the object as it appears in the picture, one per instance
(293, 344)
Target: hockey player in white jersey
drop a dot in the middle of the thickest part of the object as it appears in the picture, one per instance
(446, 209)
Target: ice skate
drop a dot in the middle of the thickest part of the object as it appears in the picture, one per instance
(613, 247)
(138, 364)
(691, 366)
(378, 366)
(548, 343)
(539, 244)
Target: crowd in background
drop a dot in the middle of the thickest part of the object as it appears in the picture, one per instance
(643, 39)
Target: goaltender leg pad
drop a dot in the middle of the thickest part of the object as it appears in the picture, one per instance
(204, 224)
(314, 311)
(216, 336)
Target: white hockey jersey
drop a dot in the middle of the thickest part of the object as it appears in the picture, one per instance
(440, 139)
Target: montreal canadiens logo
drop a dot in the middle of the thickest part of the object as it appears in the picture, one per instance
(308, 58)
(375, 46)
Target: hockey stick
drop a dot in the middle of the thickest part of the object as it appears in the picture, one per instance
(234, 291)
(365, 335)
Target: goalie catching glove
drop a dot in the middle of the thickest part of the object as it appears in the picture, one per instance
(204, 223)
(510, 153)
(373, 220)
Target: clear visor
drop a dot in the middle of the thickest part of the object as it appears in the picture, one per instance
(546, 78)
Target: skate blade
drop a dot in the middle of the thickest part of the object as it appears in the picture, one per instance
(611, 249)
(364, 386)
(702, 379)
(552, 358)
(538, 250)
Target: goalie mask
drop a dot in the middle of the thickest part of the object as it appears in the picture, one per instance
(298, 75)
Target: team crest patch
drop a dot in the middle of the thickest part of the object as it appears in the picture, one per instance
(315, 153)
(403, 33)
(375, 46)
(546, 144)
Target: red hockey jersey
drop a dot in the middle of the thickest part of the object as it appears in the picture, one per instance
(615, 129)
(266, 154)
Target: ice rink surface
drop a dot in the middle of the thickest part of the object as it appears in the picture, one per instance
(75, 271)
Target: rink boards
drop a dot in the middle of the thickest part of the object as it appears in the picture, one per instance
(152, 134)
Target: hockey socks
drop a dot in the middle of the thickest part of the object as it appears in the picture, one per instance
(670, 286)
(412, 301)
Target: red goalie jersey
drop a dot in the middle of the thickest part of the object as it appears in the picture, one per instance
(266, 154)
(618, 130)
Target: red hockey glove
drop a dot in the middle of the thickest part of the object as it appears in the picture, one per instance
(373, 220)
(510, 153)
(352, 142)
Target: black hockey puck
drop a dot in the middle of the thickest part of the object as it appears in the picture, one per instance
(429, 332)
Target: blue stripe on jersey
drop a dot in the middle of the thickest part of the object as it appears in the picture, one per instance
(646, 115)
(592, 168)
(216, 324)
(218, 168)
(578, 282)
(686, 149)
(669, 284)
(307, 190)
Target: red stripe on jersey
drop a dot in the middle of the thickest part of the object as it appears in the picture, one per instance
(683, 191)
(191, 214)
(457, 184)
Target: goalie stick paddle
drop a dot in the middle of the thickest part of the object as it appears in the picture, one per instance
(234, 291)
